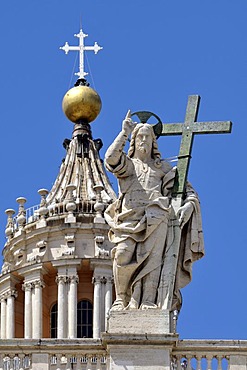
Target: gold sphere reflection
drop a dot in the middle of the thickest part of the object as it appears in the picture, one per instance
(81, 103)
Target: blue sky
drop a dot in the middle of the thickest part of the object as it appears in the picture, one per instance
(155, 55)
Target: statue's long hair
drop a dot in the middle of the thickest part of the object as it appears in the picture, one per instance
(155, 154)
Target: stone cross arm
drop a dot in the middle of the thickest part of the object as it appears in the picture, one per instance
(211, 127)
(188, 129)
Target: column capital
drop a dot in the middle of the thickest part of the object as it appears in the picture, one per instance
(38, 283)
(3, 297)
(97, 279)
(110, 279)
(11, 293)
(103, 280)
(27, 286)
(106, 280)
(74, 279)
(61, 279)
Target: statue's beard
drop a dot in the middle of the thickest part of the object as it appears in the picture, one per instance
(143, 148)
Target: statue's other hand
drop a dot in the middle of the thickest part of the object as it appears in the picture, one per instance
(184, 213)
(128, 124)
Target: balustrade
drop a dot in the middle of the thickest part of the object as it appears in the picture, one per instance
(78, 362)
(20, 354)
(200, 361)
(49, 354)
(32, 213)
(209, 355)
(15, 362)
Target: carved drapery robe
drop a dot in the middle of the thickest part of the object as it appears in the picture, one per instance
(142, 213)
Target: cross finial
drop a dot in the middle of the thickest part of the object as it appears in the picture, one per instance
(81, 48)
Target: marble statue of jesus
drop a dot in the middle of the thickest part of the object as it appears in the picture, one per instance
(139, 220)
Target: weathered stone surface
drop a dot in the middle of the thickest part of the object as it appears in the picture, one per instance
(139, 357)
(238, 362)
(40, 361)
(139, 322)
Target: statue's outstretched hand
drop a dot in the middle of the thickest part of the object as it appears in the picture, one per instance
(184, 213)
(128, 125)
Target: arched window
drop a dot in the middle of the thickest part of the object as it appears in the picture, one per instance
(84, 319)
(53, 324)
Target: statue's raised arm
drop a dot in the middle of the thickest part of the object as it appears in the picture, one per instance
(114, 152)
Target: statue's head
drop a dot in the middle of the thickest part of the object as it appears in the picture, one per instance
(143, 139)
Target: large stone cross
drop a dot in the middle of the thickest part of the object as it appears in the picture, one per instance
(187, 129)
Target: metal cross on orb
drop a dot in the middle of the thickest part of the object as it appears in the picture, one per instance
(81, 48)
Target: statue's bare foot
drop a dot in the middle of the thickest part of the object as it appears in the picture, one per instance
(133, 305)
(148, 306)
(118, 305)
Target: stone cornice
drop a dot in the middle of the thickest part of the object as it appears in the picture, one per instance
(30, 232)
(8, 279)
(101, 263)
(66, 261)
(32, 270)
(48, 345)
(210, 345)
(86, 345)
(165, 340)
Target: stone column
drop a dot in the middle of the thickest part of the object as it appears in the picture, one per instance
(10, 314)
(33, 309)
(102, 305)
(27, 287)
(3, 316)
(37, 309)
(96, 306)
(67, 280)
(72, 306)
(61, 305)
(108, 297)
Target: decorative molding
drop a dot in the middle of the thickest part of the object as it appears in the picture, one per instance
(43, 210)
(109, 280)
(96, 280)
(74, 279)
(62, 279)
(42, 244)
(6, 267)
(35, 258)
(70, 245)
(27, 286)
(9, 230)
(103, 280)
(21, 216)
(70, 239)
(38, 283)
(3, 297)
(11, 293)
(100, 252)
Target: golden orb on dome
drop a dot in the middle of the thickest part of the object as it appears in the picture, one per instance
(81, 103)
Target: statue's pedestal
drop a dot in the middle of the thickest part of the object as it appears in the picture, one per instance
(139, 322)
(139, 340)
